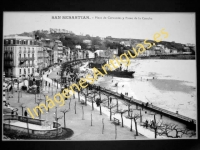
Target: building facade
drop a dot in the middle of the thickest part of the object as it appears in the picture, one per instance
(60, 50)
(20, 56)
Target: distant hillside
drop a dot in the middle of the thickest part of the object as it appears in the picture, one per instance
(70, 40)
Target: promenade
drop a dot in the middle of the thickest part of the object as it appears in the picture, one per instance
(78, 121)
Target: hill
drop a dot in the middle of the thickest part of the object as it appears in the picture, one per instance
(70, 40)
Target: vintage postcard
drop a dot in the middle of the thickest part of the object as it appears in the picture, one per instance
(84, 76)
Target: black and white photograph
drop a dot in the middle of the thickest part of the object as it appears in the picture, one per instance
(99, 76)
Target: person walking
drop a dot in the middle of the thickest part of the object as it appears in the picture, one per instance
(146, 124)
(25, 113)
(12, 113)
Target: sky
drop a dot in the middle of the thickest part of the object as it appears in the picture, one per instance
(135, 25)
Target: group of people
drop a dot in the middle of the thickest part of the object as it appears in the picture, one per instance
(126, 93)
(152, 124)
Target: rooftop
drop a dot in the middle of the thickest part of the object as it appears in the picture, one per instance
(19, 37)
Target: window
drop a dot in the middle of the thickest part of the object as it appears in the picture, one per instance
(17, 42)
(32, 70)
(19, 71)
(24, 71)
(33, 55)
(30, 42)
(11, 41)
(24, 55)
(28, 55)
(28, 71)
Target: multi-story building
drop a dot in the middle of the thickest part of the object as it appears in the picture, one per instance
(20, 55)
(40, 59)
(55, 55)
(51, 47)
(66, 51)
(60, 49)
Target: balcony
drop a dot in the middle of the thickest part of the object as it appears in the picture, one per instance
(40, 57)
(8, 58)
(26, 65)
(22, 58)
(9, 65)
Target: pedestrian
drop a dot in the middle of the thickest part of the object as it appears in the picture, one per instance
(12, 113)
(16, 113)
(25, 113)
(142, 105)
(110, 99)
(146, 123)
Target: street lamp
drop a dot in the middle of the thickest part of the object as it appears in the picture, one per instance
(45, 94)
(39, 114)
(22, 106)
(12, 82)
(18, 89)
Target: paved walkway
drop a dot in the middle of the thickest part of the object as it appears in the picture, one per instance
(142, 130)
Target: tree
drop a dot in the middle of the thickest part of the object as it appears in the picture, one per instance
(172, 131)
(111, 107)
(121, 112)
(135, 117)
(64, 111)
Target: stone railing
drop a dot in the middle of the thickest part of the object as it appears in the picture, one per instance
(54, 129)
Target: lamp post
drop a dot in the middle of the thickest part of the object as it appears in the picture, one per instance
(45, 94)
(28, 80)
(39, 114)
(12, 82)
(52, 86)
(22, 106)
(18, 90)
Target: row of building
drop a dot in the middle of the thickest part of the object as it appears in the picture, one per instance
(26, 55)
(163, 50)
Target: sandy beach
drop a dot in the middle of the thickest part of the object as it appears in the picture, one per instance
(173, 87)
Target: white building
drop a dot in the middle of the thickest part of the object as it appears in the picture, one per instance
(90, 54)
(20, 55)
(59, 48)
(77, 46)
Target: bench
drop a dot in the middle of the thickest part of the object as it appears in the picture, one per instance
(143, 124)
(116, 121)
